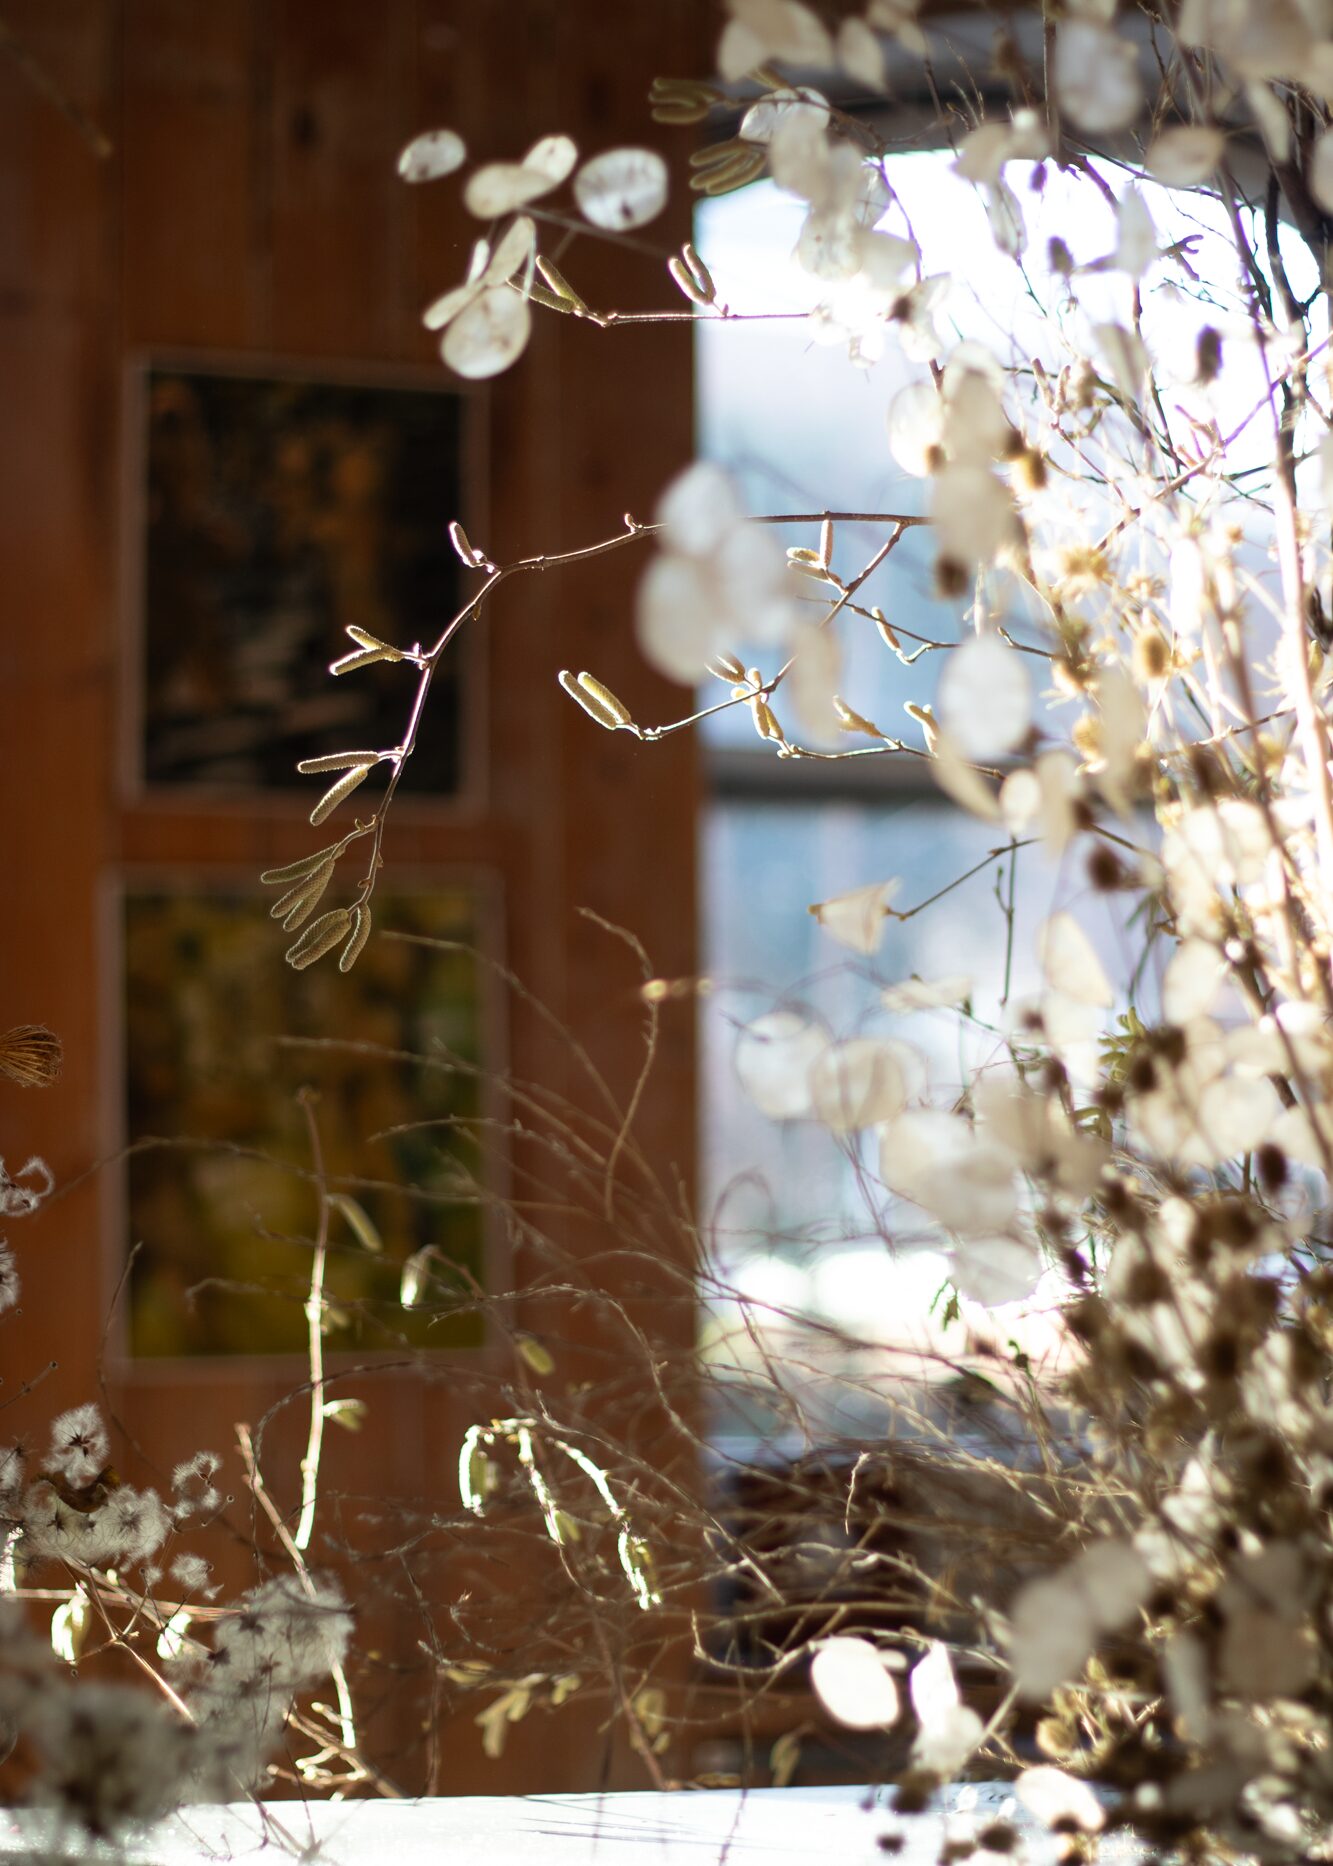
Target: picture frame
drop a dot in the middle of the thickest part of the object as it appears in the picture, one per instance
(210, 1221)
(272, 504)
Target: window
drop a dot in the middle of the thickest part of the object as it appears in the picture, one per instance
(799, 1220)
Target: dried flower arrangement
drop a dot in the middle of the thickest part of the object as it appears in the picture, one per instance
(116, 1569)
(1136, 682)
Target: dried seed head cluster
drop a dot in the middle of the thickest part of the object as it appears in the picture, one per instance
(30, 1055)
(100, 1756)
(1123, 494)
(1125, 498)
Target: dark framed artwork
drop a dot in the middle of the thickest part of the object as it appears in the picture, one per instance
(274, 511)
(217, 1041)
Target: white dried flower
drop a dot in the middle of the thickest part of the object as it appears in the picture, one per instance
(762, 29)
(1039, 1135)
(79, 1447)
(983, 153)
(1056, 1620)
(1060, 1800)
(857, 1084)
(13, 1462)
(192, 1571)
(9, 1278)
(949, 1729)
(112, 1757)
(1095, 76)
(853, 1684)
(774, 1056)
(1185, 156)
(126, 1529)
(281, 1640)
(622, 188)
(857, 919)
(1052, 1630)
(134, 1523)
(939, 1161)
(985, 698)
(996, 1270)
(17, 1201)
(192, 1482)
(718, 579)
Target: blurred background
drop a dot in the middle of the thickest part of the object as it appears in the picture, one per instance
(228, 439)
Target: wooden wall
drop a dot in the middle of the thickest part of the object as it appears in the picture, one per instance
(250, 207)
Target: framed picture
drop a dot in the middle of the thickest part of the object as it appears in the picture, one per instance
(218, 1040)
(275, 511)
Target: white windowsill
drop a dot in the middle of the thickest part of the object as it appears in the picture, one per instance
(818, 1826)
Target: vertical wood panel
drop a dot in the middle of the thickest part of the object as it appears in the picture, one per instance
(194, 235)
(252, 206)
(338, 115)
(57, 485)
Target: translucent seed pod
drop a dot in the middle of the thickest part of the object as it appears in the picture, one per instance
(702, 277)
(297, 905)
(336, 761)
(886, 633)
(320, 936)
(852, 721)
(595, 689)
(765, 719)
(298, 870)
(360, 933)
(459, 539)
(683, 278)
(597, 701)
(364, 639)
(560, 285)
(335, 794)
(365, 657)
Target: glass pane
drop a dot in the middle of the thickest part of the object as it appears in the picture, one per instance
(764, 864)
(805, 430)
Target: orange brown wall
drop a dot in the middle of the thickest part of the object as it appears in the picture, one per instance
(249, 208)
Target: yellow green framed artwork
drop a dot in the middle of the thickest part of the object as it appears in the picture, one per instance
(219, 1039)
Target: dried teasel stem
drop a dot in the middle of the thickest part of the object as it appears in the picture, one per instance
(30, 1055)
